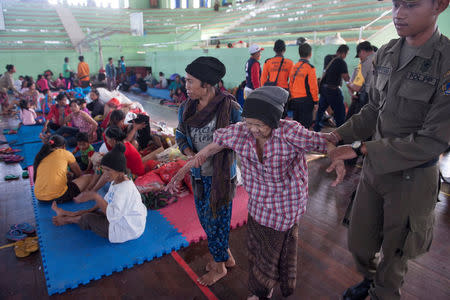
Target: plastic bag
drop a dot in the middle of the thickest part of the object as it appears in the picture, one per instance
(170, 154)
(149, 182)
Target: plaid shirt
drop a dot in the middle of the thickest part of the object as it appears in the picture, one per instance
(278, 188)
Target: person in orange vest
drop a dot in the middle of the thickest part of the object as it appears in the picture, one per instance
(303, 87)
(276, 70)
(83, 72)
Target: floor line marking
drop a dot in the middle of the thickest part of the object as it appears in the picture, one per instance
(206, 291)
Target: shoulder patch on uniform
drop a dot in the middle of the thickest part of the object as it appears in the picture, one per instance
(446, 88)
(422, 78)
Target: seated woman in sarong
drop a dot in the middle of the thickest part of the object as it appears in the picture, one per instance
(275, 175)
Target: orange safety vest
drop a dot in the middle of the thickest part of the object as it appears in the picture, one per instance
(270, 70)
(305, 82)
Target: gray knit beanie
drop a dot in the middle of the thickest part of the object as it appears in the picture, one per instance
(266, 104)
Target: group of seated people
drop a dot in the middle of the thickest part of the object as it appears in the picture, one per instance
(120, 215)
(141, 82)
(176, 87)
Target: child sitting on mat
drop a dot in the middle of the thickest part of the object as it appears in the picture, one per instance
(27, 114)
(121, 215)
(86, 151)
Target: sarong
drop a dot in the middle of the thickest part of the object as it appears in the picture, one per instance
(272, 258)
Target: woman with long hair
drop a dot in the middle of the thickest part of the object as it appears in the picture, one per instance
(50, 173)
(82, 120)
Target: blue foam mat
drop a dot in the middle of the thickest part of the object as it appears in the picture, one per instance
(159, 93)
(28, 151)
(71, 256)
(25, 134)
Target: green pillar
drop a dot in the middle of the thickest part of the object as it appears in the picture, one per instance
(139, 4)
(190, 4)
(233, 3)
(164, 4)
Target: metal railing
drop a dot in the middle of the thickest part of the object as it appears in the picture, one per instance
(362, 28)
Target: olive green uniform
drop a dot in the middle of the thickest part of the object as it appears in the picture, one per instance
(408, 117)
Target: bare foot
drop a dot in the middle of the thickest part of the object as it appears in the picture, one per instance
(217, 272)
(229, 263)
(59, 221)
(59, 211)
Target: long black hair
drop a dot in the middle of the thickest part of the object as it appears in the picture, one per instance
(55, 141)
(115, 133)
(116, 116)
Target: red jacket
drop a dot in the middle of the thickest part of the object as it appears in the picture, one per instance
(53, 115)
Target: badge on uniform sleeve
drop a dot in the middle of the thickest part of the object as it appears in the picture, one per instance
(446, 88)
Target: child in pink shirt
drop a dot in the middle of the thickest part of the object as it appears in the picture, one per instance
(27, 114)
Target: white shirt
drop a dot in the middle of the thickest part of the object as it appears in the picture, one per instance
(18, 84)
(125, 212)
(163, 81)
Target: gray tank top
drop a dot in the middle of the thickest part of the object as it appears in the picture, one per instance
(202, 137)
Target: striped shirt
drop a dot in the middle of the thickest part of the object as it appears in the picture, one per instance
(278, 187)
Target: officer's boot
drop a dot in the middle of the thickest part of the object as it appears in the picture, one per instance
(359, 291)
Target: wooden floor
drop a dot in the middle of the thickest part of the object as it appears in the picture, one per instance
(325, 266)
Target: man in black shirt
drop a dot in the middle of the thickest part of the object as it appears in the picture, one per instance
(335, 69)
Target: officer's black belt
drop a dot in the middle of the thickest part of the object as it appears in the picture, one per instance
(429, 163)
(330, 86)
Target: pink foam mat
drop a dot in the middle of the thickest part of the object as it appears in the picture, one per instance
(183, 216)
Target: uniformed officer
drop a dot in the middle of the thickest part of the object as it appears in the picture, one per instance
(408, 117)
(362, 77)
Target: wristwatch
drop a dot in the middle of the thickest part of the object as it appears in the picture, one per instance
(356, 146)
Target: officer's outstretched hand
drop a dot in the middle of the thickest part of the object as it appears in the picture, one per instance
(339, 167)
(342, 153)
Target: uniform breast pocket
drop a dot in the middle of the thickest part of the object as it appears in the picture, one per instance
(381, 87)
(414, 99)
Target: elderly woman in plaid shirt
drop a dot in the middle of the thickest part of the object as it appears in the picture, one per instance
(272, 153)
